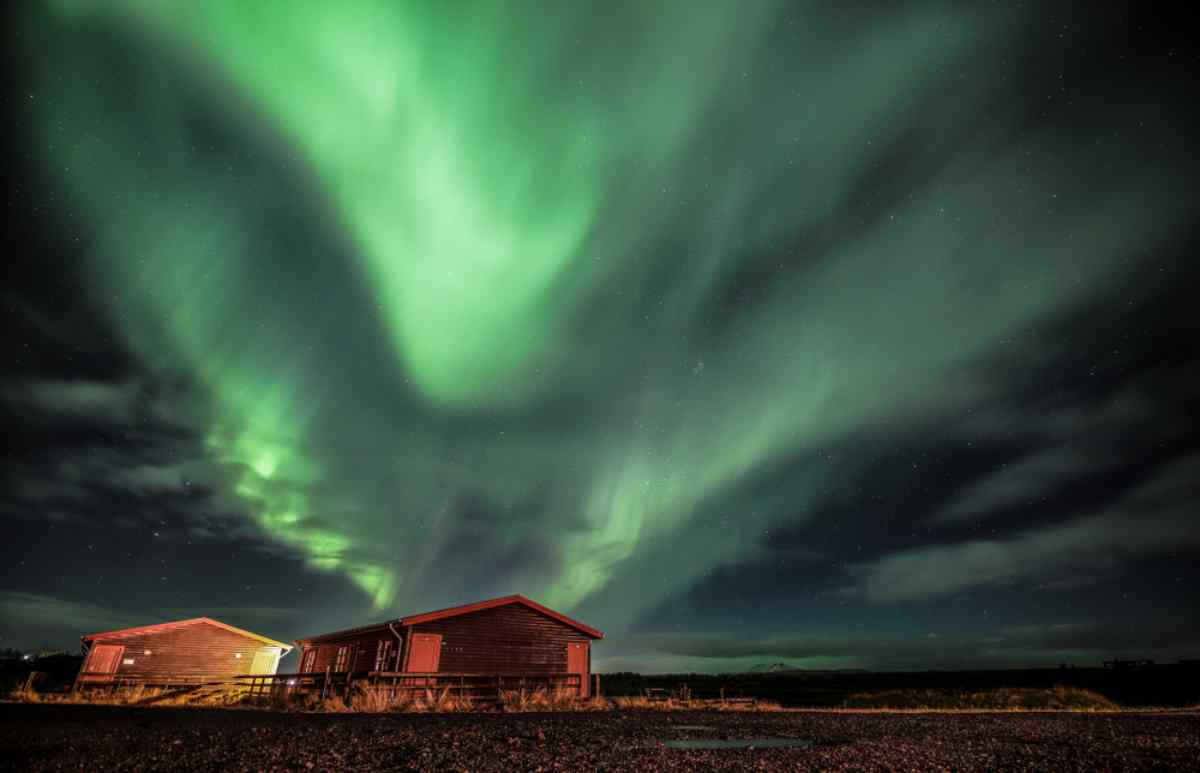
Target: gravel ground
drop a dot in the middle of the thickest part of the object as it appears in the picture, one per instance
(65, 737)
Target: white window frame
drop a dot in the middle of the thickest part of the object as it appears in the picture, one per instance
(383, 653)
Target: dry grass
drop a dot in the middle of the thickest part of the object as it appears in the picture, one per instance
(139, 695)
(434, 701)
(380, 700)
(363, 700)
(126, 696)
(542, 699)
(377, 700)
(675, 704)
(1003, 699)
(372, 700)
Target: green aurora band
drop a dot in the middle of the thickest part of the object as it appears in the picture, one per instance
(507, 225)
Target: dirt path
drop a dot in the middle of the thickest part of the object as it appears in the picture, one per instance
(46, 737)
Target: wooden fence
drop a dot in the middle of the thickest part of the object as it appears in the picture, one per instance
(472, 686)
(89, 679)
(479, 687)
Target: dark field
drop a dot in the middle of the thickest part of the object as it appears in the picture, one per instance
(72, 737)
(1163, 685)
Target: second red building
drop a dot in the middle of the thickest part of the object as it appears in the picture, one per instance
(511, 635)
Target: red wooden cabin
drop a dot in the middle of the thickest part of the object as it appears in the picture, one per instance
(183, 650)
(511, 635)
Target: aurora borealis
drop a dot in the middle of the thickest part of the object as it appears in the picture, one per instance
(824, 333)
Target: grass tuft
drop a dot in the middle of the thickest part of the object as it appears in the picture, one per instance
(539, 699)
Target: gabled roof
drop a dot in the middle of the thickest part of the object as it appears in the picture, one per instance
(343, 633)
(157, 627)
(464, 609)
(478, 606)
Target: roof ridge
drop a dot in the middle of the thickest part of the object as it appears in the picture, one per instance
(455, 611)
(515, 598)
(120, 632)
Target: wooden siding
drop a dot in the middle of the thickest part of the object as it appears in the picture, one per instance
(191, 651)
(511, 639)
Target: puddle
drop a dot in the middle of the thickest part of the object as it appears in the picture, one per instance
(738, 743)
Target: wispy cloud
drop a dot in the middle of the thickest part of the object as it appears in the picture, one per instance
(1042, 643)
(1071, 441)
(1022, 483)
(54, 619)
(71, 402)
(1157, 517)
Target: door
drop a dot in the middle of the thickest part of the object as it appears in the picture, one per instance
(102, 662)
(424, 653)
(577, 663)
(265, 662)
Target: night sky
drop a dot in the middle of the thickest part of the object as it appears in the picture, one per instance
(830, 334)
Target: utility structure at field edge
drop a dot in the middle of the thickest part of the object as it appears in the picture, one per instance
(193, 650)
(509, 637)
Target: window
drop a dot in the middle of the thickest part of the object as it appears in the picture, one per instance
(342, 656)
(383, 651)
(310, 658)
